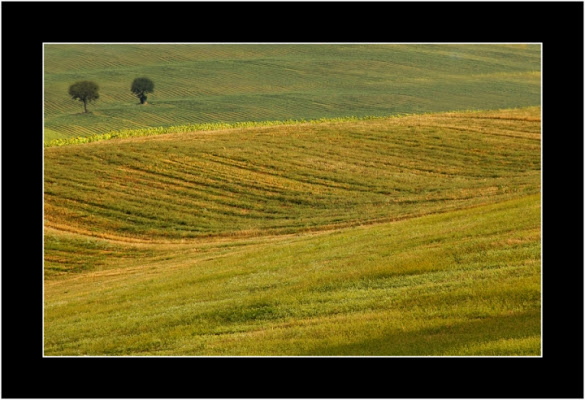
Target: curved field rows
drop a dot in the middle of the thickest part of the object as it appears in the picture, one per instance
(417, 235)
(461, 283)
(287, 179)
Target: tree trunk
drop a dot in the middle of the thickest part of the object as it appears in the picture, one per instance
(85, 105)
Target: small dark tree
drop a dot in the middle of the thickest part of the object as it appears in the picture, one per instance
(140, 87)
(84, 91)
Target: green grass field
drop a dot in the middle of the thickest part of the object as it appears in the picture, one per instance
(417, 235)
(230, 83)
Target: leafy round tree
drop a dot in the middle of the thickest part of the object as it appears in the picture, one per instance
(140, 87)
(84, 91)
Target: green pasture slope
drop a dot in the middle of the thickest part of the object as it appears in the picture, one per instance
(232, 83)
(417, 235)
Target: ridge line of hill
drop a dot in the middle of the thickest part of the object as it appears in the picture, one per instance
(220, 126)
(258, 234)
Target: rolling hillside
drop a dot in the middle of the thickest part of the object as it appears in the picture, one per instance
(229, 83)
(291, 179)
(459, 283)
(417, 235)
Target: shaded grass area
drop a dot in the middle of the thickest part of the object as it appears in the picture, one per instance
(229, 83)
(67, 253)
(463, 282)
(288, 179)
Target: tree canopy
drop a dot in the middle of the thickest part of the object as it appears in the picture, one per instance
(84, 91)
(141, 86)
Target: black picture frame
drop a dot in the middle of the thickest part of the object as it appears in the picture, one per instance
(557, 374)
